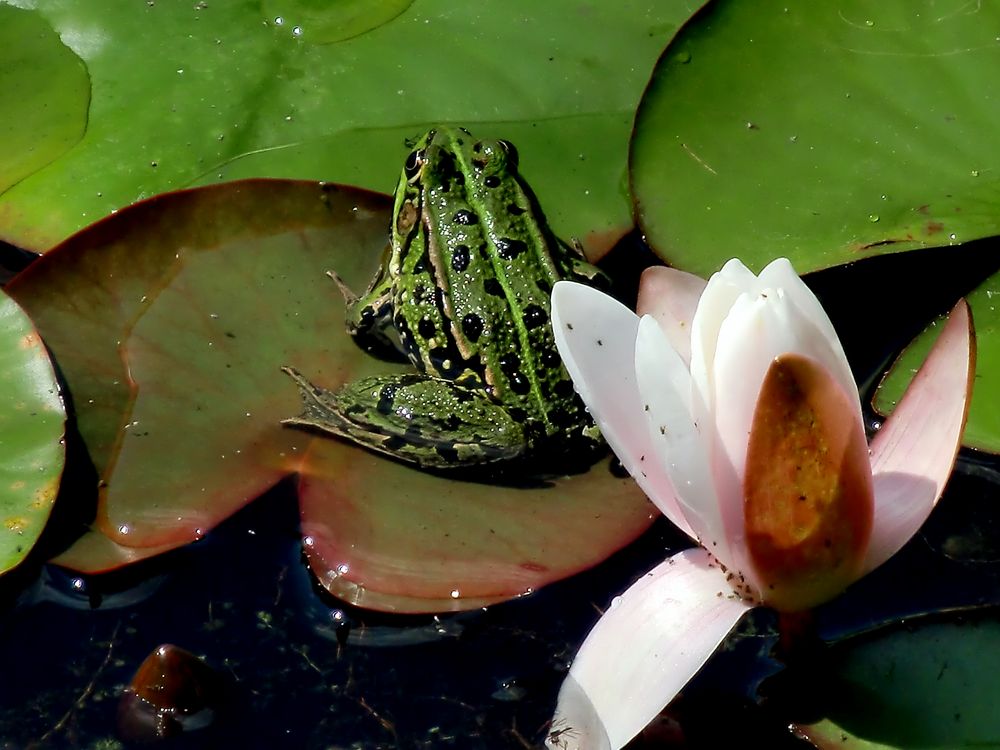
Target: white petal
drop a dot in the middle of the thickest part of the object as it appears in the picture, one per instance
(913, 453)
(780, 274)
(665, 391)
(643, 650)
(722, 290)
(671, 296)
(595, 335)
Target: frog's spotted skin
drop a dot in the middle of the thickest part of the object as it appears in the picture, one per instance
(463, 293)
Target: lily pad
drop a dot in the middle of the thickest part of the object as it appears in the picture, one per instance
(824, 132)
(32, 420)
(171, 321)
(180, 90)
(44, 93)
(929, 686)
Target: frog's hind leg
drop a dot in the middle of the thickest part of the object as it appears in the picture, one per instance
(419, 419)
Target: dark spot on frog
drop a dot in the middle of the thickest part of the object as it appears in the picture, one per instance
(518, 383)
(447, 453)
(564, 388)
(421, 265)
(561, 418)
(535, 316)
(385, 398)
(460, 258)
(550, 358)
(452, 422)
(515, 210)
(465, 217)
(510, 248)
(426, 328)
(544, 286)
(472, 327)
(367, 316)
(439, 297)
(355, 410)
(509, 363)
(518, 414)
(395, 443)
(492, 286)
(492, 181)
(484, 251)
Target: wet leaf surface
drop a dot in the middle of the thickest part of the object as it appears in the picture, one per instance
(44, 93)
(171, 321)
(181, 90)
(723, 164)
(32, 421)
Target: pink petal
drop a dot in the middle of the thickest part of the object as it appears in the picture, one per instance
(644, 649)
(913, 454)
(671, 296)
(678, 446)
(595, 335)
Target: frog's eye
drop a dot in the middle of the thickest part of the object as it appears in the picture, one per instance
(413, 163)
(511, 152)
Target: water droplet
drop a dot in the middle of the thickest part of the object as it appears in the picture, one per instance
(952, 236)
(342, 569)
(278, 20)
(873, 218)
(454, 594)
(684, 57)
(615, 603)
(124, 529)
(885, 197)
(975, 173)
(297, 31)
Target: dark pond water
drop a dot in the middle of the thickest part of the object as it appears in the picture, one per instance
(301, 670)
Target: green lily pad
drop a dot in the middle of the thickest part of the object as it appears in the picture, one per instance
(929, 686)
(171, 320)
(181, 90)
(824, 132)
(32, 419)
(325, 21)
(982, 430)
(44, 93)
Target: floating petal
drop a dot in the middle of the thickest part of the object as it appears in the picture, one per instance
(643, 650)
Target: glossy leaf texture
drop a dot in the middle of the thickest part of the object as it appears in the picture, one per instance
(824, 132)
(186, 92)
(171, 320)
(929, 685)
(32, 421)
(44, 93)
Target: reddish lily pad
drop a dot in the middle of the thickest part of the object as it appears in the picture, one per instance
(171, 321)
(32, 418)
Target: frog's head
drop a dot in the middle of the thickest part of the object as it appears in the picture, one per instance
(445, 154)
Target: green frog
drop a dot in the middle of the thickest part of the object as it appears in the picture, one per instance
(463, 293)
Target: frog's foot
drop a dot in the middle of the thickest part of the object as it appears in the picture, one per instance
(350, 298)
(426, 421)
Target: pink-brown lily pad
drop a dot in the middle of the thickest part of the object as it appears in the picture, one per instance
(171, 321)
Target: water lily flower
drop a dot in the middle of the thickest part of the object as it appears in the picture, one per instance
(733, 406)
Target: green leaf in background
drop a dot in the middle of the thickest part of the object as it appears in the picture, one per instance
(32, 420)
(982, 431)
(824, 132)
(171, 321)
(828, 133)
(325, 21)
(44, 93)
(181, 90)
(931, 685)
